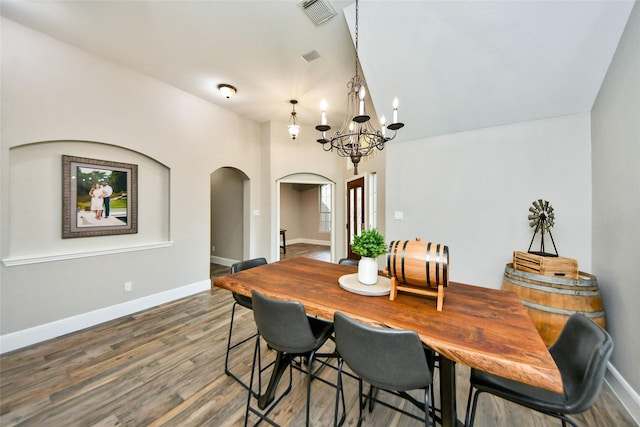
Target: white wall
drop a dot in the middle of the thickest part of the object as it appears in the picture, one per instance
(616, 203)
(472, 191)
(53, 91)
(290, 211)
(310, 215)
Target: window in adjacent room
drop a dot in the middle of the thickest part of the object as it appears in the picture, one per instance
(325, 207)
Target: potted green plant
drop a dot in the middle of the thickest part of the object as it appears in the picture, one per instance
(369, 244)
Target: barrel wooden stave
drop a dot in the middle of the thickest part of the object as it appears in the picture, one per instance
(418, 263)
(550, 301)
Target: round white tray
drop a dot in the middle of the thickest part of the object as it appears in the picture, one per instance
(349, 282)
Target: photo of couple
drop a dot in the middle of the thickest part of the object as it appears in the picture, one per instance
(102, 197)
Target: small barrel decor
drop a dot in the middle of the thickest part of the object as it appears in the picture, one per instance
(551, 300)
(418, 267)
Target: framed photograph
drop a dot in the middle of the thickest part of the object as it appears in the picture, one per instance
(99, 197)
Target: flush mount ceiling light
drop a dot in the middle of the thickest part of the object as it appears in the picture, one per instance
(294, 128)
(357, 137)
(227, 90)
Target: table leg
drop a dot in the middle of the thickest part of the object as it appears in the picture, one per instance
(281, 364)
(284, 241)
(448, 392)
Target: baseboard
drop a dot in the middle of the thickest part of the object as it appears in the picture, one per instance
(223, 261)
(308, 242)
(36, 334)
(229, 262)
(625, 393)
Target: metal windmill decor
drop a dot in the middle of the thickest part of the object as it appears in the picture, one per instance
(542, 218)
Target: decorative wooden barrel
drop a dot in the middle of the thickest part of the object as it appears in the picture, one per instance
(418, 263)
(551, 300)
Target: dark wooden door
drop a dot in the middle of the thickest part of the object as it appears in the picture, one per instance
(355, 212)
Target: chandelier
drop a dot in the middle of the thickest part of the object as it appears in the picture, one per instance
(357, 137)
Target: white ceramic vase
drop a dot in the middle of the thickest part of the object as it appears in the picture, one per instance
(368, 271)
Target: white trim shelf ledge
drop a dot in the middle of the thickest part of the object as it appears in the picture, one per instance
(36, 259)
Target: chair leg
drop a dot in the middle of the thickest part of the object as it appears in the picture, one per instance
(249, 393)
(339, 394)
(471, 407)
(231, 347)
(311, 375)
(426, 406)
(373, 392)
(226, 359)
(565, 420)
(436, 412)
(309, 378)
(361, 402)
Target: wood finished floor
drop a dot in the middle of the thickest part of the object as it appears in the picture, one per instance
(165, 367)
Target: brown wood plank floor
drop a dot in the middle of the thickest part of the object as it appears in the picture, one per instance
(165, 366)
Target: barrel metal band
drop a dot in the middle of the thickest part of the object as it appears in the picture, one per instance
(561, 311)
(391, 263)
(583, 281)
(426, 263)
(438, 264)
(554, 290)
(445, 266)
(404, 250)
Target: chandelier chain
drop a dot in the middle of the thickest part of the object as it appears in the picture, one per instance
(357, 19)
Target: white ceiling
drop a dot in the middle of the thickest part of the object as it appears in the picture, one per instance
(454, 65)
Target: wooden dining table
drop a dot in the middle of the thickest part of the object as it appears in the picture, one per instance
(483, 328)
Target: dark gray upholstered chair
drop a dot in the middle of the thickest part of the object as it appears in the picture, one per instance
(288, 330)
(347, 261)
(243, 301)
(394, 361)
(581, 352)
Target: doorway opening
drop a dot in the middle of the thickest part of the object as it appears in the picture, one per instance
(229, 239)
(305, 215)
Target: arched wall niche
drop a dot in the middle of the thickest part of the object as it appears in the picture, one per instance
(35, 202)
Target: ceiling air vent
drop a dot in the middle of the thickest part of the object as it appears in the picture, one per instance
(318, 10)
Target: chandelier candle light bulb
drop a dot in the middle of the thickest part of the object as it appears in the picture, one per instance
(363, 92)
(323, 107)
(395, 110)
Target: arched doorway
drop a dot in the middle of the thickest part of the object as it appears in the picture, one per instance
(229, 189)
(305, 182)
